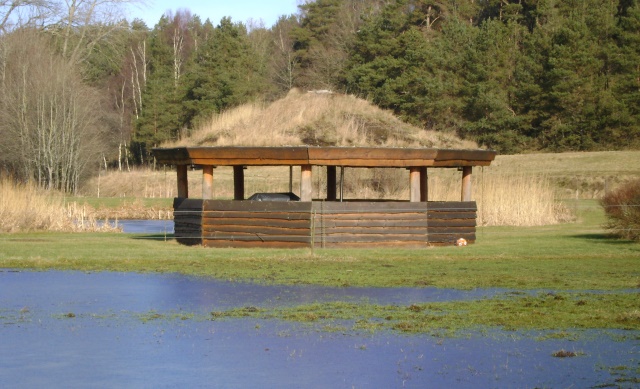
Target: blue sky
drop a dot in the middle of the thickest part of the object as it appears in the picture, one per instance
(238, 10)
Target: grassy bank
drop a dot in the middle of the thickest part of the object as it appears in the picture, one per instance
(576, 256)
(546, 311)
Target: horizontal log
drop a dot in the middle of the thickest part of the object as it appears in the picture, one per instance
(180, 213)
(452, 205)
(373, 216)
(250, 221)
(370, 245)
(259, 230)
(460, 163)
(255, 237)
(368, 206)
(331, 223)
(256, 206)
(194, 229)
(220, 243)
(370, 153)
(343, 238)
(257, 215)
(452, 223)
(451, 215)
(327, 156)
(371, 230)
(187, 220)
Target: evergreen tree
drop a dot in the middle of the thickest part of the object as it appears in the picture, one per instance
(625, 131)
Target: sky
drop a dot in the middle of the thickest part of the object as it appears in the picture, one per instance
(238, 10)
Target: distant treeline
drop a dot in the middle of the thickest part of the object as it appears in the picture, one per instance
(514, 76)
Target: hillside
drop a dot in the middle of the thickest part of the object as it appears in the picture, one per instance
(315, 118)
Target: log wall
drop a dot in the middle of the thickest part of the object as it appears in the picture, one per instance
(256, 224)
(221, 223)
(187, 217)
(449, 221)
(370, 224)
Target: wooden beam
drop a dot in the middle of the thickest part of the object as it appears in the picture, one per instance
(424, 184)
(183, 181)
(414, 180)
(306, 184)
(466, 183)
(207, 182)
(332, 181)
(238, 182)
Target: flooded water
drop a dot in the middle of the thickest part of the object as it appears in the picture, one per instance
(88, 330)
(145, 226)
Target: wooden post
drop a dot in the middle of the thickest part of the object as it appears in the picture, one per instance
(466, 183)
(207, 182)
(306, 184)
(414, 180)
(424, 184)
(238, 182)
(331, 183)
(290, 179)
(183, 181)
(341, 183)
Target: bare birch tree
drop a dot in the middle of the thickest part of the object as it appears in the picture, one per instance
(48, 119)
(18, 13)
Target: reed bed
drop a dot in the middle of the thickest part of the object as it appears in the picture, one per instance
(26, 207)
(133, 209)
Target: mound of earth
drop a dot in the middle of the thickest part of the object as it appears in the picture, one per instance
(316, 118)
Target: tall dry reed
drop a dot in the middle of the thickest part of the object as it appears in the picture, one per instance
(504, 199)
(26, 207)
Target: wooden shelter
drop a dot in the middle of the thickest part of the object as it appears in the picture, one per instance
(328, 222)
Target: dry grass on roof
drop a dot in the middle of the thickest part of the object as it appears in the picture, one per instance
(316, 119)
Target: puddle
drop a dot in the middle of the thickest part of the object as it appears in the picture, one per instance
(104, 345)
(145, 226)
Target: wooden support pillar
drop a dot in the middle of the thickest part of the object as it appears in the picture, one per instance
(424, 184)
(183, 181)
(341, 183)
(290, 179)
(207, 182)
(466, 183)
(306, 184)
(332, 181)
(238, 182)
(414, 180)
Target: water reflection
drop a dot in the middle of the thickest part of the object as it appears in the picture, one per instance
(105, 345)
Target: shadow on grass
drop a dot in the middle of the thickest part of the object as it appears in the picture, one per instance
(156, 237)
(603, 238)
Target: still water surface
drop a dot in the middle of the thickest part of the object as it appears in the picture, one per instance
(106, 344)
(145, 226)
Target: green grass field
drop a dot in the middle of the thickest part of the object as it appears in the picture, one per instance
(573, 256)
